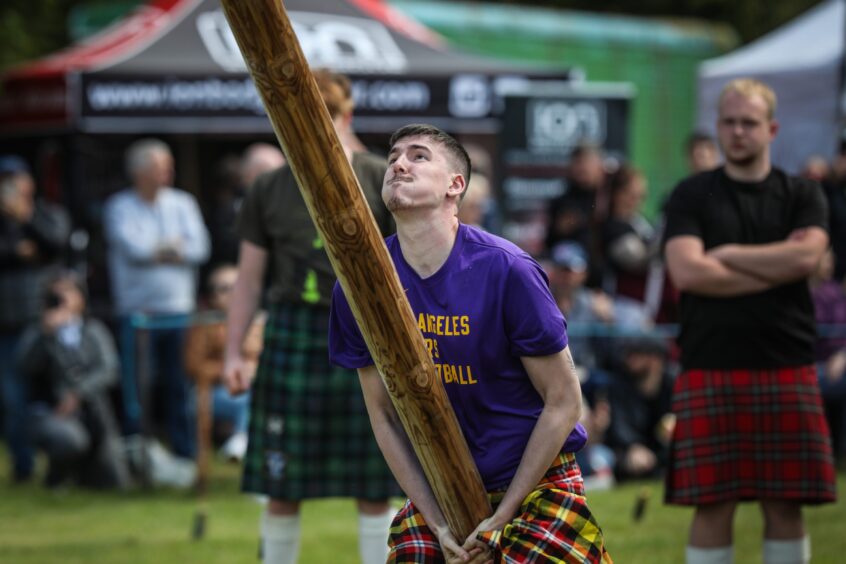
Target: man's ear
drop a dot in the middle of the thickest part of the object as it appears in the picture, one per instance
(774, 127)
(457, 186)
(343, 121)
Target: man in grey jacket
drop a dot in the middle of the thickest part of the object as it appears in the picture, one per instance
(69, 362)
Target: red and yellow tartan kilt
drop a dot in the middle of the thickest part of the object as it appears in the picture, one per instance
(749, 434)
(554, 525)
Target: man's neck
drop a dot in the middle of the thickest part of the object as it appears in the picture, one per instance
(147, 193)
(753, 172)
(426, 244)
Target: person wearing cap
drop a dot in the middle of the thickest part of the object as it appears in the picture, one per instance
(33, 238)
(70, 362)
(591, 313)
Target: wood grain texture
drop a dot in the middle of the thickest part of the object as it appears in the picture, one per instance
(359, 256)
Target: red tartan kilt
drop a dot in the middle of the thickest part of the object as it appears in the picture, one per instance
(749, 434)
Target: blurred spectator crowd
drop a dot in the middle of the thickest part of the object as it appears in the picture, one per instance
(115, 401)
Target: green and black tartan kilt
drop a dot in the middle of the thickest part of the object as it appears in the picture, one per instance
(309, 432)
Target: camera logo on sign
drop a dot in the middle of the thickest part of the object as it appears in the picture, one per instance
(558, 125)
(341, 43)
(470, 96)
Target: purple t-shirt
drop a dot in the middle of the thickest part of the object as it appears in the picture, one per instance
(487, 306)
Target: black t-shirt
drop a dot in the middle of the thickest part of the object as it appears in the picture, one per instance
(770, 329)
(274, 216)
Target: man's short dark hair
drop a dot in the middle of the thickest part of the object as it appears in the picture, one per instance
(698, 138)
(455, 150)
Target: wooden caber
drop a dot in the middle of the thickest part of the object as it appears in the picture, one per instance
(359, 256)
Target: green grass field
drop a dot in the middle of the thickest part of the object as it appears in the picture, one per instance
(154, 526)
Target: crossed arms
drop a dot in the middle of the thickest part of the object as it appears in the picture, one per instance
(736, 270)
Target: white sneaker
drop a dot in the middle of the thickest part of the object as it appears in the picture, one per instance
(235, 447)
(169, 470)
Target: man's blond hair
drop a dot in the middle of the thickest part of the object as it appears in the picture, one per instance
(748, 87)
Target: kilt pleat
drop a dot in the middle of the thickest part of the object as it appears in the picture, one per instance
(748, 435)
(309, 433)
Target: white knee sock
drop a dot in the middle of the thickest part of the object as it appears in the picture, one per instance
(373, 537)
(280, 536)
(721, 555)
(796, 551)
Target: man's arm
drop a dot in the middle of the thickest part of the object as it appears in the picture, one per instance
(195, 241)
(252, 261)
(104, 372)
(400, 456)
(778, 263)
(695, 272)
(554, 377)
(51, 227)
(134, 239)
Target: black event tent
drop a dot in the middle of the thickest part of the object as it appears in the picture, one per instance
(172, 66)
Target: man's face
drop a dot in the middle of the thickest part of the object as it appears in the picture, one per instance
(703, 156)
(157, 172)
(628, 200)
(221, 286)
(587, 171)
(420, 175)
(744, 129)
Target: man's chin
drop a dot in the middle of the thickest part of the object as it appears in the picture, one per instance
(396, 204)
(741, 161)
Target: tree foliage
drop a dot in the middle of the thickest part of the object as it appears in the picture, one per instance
(32, 28)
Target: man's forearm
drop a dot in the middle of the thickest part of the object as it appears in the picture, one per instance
(779, 262)
(397, 450)
(245, 297)
(710, 277)
(545, 442)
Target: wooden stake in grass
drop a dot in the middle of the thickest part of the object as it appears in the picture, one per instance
(359, 256)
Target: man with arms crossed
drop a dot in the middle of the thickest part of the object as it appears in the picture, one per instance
(741, 241)
(500, 345)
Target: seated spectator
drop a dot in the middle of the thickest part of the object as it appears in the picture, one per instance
(70, 361)
(204, 361)
(830, 313)
(592, 315)
(628, 239)
(640, 396)
(596, 460)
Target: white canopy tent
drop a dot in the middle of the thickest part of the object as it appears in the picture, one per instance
(802, 62)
